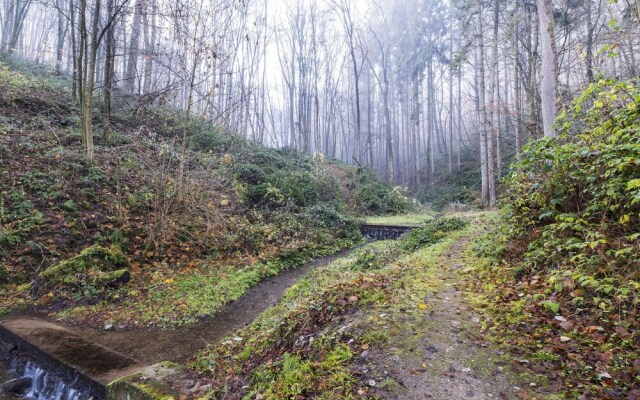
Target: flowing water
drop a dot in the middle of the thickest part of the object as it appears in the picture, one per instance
(6, 375)
(44, 385)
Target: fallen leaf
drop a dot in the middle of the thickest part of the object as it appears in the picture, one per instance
(422, 306)
(593, 328)
(623, 332)
(604, 375)
(566, 325)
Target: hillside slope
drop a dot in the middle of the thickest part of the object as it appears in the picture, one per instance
(562, 271)
(153, 234)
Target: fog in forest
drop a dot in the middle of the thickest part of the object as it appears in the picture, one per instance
(422, 92)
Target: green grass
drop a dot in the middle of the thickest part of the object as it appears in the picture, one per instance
(173, 300)
(404, 219)
(307, 354)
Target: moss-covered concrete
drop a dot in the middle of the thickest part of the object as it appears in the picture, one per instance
(148, 384)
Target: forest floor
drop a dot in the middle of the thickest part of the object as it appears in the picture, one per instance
(180, 343)
(441, 353)
(405, 328)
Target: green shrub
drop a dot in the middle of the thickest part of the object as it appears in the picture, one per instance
(211, 140)
(274, 179)
(329, 218)
(573, 203)
(376, 256)
(370, 196)
(431, 232)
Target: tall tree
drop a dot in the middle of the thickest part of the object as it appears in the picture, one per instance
(344, 9)
(549, 71)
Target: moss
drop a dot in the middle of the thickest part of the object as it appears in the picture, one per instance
(136, 387)
(402, 219)
(111, 277)
(148, 384)
(92, 258)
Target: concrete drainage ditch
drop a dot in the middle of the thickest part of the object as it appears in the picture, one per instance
(49, 362)
(383, 232)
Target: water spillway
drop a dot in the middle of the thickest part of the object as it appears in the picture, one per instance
(57, 364)
(98, 363)
(383, 232)
(45, 385)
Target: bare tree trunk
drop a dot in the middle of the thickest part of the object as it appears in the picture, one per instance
(88, 49)
(450, 130)
(517, 84)
(589, 44)
(482, 112)
(15, 14)
(109, 67)
(549, 71)
(62, 33)
(494, 123)
(131, 75)
(149, 44)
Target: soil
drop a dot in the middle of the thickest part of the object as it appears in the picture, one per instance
(449, 361)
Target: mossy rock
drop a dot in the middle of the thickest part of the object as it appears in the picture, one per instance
(148, 384)
(113, 277)
(95, 266)
(96, 258)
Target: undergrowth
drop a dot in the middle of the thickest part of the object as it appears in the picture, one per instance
(569, 242)
(308, 345)
(239, 210)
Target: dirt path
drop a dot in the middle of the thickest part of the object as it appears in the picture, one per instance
(149, 347)
(440, 355)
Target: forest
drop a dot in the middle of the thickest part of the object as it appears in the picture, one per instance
(327, 199)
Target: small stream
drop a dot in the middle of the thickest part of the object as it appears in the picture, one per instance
(153, 346)
(43, 385)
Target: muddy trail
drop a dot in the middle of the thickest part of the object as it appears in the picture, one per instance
(442, 355)
(178, 345)
(457, 364)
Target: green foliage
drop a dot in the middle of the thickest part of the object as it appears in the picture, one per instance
(375, 256)
(461, 187)
(18, 217)
(370, 196)
(573, 203)
(92, 259)
(340, 225)
(274, 179)
(214, 140)
(432, 232)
